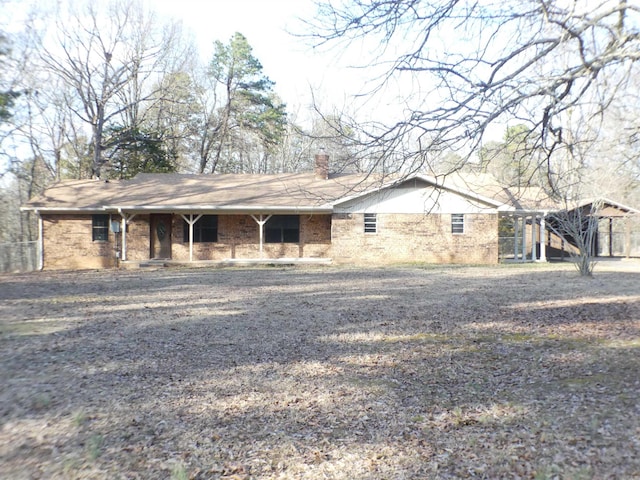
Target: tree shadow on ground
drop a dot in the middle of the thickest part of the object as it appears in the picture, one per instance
(295, 372)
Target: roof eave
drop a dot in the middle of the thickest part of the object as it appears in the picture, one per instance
(235, 209)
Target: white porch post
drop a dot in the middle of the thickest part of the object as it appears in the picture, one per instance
(261, 221)
(543, 238)
(190, 221)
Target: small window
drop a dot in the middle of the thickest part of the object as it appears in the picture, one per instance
(205, 230)
(100, 228)
(370, 223)
(282, 229)
(457, 223)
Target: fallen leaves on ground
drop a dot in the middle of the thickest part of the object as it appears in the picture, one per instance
(343, 373)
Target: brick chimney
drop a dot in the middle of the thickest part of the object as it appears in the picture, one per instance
(322, 166)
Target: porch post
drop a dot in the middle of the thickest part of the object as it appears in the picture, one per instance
(190, 221)
(190, 237)
(261, 221)
(543, 238)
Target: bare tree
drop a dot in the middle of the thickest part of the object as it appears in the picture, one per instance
(106, 54)
(577, 224)
(466, 65)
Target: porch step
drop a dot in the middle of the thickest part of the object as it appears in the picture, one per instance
(228, 262)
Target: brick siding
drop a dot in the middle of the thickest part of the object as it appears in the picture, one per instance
(415, 238)
(400, 238)
(68, 243)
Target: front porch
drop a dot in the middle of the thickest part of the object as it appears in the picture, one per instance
(208, 238)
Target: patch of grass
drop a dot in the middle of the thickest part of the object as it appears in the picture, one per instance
(70, 466)
(79, 418)
(418, 337)
(179, 472)
(41, 401)
(95, 445)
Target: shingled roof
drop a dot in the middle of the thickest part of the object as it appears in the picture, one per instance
(254, 193)
(176, 192)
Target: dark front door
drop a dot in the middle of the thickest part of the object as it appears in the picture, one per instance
(160, 236)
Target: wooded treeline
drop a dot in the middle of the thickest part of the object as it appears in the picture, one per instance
(109, 89)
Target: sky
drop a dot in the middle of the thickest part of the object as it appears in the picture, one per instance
(289, 61)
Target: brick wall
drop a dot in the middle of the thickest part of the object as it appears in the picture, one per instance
(400, 238)
(68, 244)
(138, 247)
(239, 237)
(415, 238)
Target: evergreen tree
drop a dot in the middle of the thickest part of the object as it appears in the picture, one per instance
(251, 118)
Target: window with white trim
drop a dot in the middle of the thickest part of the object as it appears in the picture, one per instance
(370, 223)
(457, 223)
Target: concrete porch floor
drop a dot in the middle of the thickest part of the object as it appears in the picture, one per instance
(228, 262)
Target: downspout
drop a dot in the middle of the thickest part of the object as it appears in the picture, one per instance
(40, 241)
(123, 229)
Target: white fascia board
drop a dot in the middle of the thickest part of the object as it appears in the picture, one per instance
(516, 211)
(221, 209)
(69, 209)
(613, 203)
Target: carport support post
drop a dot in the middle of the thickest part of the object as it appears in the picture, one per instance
(534, 253)
(543, 238)
(516, 219)
(524, 239)
(261, 221)
(190, 221)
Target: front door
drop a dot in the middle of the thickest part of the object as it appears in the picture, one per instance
(160, 236)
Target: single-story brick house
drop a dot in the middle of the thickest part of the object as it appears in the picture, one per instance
(297, 217)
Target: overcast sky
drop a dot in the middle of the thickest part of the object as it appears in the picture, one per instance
(287, 60)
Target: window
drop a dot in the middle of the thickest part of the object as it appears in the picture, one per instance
(204, 230)
(100, 228)
(370, 223)
(282, 229)
(457, 223)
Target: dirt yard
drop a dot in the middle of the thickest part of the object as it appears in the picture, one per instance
(321, 373)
